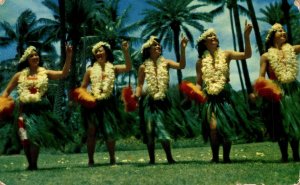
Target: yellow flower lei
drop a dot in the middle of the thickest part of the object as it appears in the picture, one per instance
(214, 75)
(102, 87)
(157, 83)
(286, 70)
(40, 85)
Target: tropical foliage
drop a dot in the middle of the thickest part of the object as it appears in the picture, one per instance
(168, 22)
(104, 20)
(273, 14)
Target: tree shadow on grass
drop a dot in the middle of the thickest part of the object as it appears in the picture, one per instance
(198, 162)
(242, 161)
(39, 169)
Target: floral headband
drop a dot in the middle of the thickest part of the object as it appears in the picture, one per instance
(27, 52)
(148, 43)
(205, 34)
(98, 45)
(274, 28)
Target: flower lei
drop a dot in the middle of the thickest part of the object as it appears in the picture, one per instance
(214, 75)
(32, 89)
(157, 81)
(102, 82)
(285, 70)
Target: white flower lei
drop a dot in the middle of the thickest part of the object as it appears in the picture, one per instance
(214, 75)
(157, 81)
(286, 70)
(102, 82)
(39, 84)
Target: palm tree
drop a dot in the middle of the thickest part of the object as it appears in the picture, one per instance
(273, 14)
(259, 41)
(58, 31)
(24, 33)
(285, 7)
(241, 45)
(115, 22)
(167, 18)
(75, 28)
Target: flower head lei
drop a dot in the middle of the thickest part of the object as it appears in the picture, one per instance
(98, 45)
(205, 34)
(274, 28)
(149, 43)
(27, 52)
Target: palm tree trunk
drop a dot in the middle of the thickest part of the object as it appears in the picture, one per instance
(176, 31)
(241, 45)
(59, 101)
(285, 7)
(234, 47)
(255, 27)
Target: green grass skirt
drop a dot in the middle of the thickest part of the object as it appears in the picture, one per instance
(9, 139)
(282, 118)
(235, 121)
(163, 120)
(110, 122)
(43, 127)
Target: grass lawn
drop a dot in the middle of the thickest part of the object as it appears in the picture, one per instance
(256, 163)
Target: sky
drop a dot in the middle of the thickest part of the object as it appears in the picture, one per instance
(221, 24)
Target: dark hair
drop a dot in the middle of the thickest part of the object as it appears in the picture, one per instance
(270, 42)
(109, 55)
(201, 48)
(146, 51)
(24, 64)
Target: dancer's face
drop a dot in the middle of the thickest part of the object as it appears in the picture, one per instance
(155, 49)
(34, 59)
(211, 40)
(280, 36)
(100, 54)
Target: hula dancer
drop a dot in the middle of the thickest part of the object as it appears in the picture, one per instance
(281, 115)
(37, 124)
(103, 118)
(156, 111)
(225, 117)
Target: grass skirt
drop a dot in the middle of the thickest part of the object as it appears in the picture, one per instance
(282, 118)
(235, 122)
(162, 120)
(9, 139)
(42, 126)
(110, 122)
